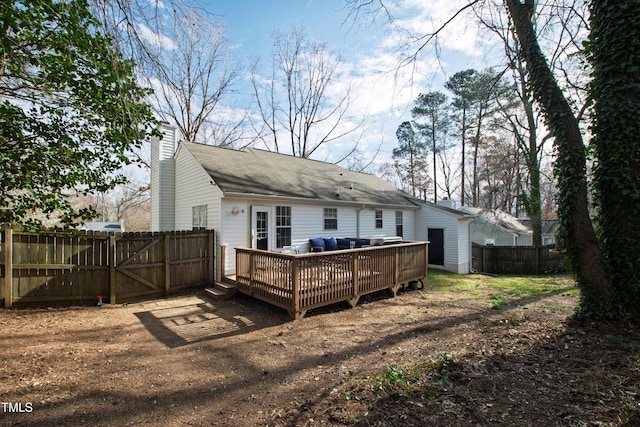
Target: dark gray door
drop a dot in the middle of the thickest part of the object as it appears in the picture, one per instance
(436, 246)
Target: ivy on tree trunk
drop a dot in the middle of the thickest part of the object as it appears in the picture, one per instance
(614, 52)
(577, 233)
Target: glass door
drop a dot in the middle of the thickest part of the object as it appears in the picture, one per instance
(260, 228)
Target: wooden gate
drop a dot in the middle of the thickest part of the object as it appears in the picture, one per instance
(45, 268)
(150, 266)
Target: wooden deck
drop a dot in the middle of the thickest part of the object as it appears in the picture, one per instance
(301, 282)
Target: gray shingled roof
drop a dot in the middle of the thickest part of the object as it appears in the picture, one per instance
(498, 217)
(264, 173)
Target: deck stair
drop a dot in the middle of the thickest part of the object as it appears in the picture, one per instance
(220, 291)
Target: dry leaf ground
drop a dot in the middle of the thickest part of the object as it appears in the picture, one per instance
(464, 351)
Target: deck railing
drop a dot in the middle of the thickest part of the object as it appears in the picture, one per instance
(299, 282)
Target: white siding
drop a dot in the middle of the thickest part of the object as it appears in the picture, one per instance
(194, 188)
(463, 265)
(234, 231)
(456, 240)
(524, 240)
(368, 222)
(482, 230)
(307, 221)
(408, 224)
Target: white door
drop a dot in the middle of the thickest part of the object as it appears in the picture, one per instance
(260, 227)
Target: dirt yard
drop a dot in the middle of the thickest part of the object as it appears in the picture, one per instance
(432, 357)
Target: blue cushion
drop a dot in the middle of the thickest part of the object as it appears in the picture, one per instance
(362, 242)
(318, 243)
(344, 243)
(330, 244)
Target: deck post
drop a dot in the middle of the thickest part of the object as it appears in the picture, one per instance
(252, 269)
(355, 274)
(295, 273)
(396, 275)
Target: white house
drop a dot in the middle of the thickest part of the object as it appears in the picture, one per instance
(260, 199)
(498, 228)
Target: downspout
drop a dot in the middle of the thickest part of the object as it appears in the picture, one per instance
(358, 210)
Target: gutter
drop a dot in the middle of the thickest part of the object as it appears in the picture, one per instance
(354, 203)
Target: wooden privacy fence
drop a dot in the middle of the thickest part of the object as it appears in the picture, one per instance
(301, 282)
(517, 259)
(63, 267)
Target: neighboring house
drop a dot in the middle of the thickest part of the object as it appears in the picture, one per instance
(265, 200)
(498, 228)
(549, 230)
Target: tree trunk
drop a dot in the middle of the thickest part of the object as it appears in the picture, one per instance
(435, 179)
(464, 132)
(577, 231)
(615, 89)
(534, 209)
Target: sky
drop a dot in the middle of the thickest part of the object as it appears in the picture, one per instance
(371, 53)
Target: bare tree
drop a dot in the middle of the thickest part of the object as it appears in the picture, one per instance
(500, 171)
(578, 234)
(128, 202)
(451, 181)
(182, 52)
(296, 109)
(526, 122)
(192, 76)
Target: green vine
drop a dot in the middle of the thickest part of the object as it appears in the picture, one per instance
(577, 233)
(614, 52)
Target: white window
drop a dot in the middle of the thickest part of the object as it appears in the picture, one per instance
(330, 218)
(399, 223)
(199, 217)
(378, 219)
(283, 226)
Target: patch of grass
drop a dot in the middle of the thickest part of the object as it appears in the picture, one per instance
(497, 301)
(556, 307)
(394, 381)
(442, 367)
(403, 381)
(501, 290)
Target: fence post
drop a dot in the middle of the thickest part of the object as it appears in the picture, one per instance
(484, 260)
(167, 266)
(8, 267)
(112, 269)
(223, 261)
(211, 271)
